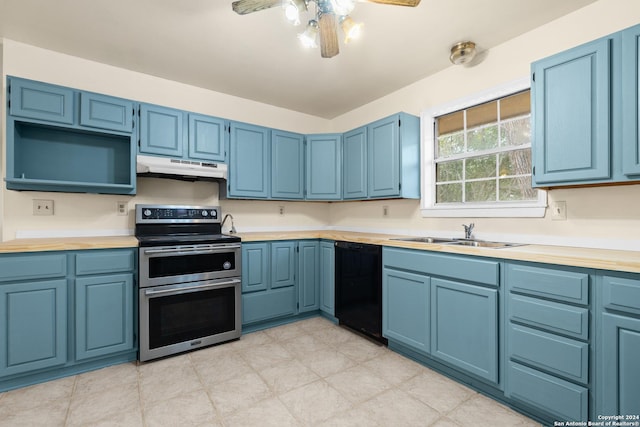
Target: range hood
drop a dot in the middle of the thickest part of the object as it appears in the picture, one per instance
(166, 167)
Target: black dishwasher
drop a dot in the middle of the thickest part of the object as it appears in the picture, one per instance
(359, 288)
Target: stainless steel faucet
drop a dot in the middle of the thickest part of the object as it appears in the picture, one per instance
(468, 230)
(233, 227)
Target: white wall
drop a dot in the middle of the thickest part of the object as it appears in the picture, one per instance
(604, 216)
(96, 214)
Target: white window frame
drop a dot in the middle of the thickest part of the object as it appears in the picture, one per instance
(525, 209)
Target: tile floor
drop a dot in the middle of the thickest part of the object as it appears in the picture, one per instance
(309, 373)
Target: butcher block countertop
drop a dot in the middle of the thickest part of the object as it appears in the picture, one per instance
(603, 259)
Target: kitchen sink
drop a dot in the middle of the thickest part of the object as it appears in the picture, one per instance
(461, 242)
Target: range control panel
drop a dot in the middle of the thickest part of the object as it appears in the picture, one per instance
(150, 214)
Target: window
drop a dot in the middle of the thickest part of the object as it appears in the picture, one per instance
(478, 157)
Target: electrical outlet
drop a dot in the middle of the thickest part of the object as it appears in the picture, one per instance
(559, 211)
(42, 207)
(122, 208)
(281, 210)
(385, 210)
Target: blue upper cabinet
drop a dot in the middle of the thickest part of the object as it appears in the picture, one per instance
(354, 167)
(249, 161)
(631, 100)
(571, 96)
(324, 167)
(41, 101)
(287, 165)
(206, 138)
(161, 130)
(106, 112)
(384, 158)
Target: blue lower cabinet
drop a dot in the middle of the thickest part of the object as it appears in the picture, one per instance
(268, 305)
(104, 315)
(283, 264)
(308, 276)
(33, 333)
(255, 266)
(327, 277)
(405, 308)
(464, 327)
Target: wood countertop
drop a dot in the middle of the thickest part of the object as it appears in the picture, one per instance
(603, 259)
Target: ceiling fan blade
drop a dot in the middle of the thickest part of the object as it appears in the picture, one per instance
(328, 35)
(410, 3)
(242, 7)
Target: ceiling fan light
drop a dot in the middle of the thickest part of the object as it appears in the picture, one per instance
(292, 9)
(310, 35)
(351, 29)
(462, 53)
(342, 7)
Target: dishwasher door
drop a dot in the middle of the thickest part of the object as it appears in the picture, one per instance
(358, 303)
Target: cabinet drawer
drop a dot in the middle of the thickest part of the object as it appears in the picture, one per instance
(42, 101)
(32, 266)
(552, 316)
(475, 270)
(100, 262)
(552, 353)
(565, 285)
(267, 305)
(621, 294)
(561, 399)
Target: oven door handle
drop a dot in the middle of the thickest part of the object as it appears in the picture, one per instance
(194, 250)
(151, 292)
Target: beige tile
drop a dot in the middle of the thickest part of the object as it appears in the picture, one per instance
(51, 414)
(285, 332)
(250, 340)
(238, 393)
(362, 350)
(396, 408)
(316, 323)
(190, 409)
(264, 356)
(304, 344)
(335, 336)
(104, 379)
(219, 369)
(437, 391)
(211, 354)
(162, 385)
(160, 366)
(37, 395)
(314, 402)
(357, 417)
(267, 413)
(117, 406)
(287, 376)
(394, 368)
(326, 362)
(358, 384)
(482, 411)
(446, 422)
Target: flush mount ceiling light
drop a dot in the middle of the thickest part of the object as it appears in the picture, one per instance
(462, 53)
(328, 15)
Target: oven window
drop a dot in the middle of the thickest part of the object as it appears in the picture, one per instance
(164, 266)
(177, 318)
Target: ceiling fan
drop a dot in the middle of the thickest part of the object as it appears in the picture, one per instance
(329, 13)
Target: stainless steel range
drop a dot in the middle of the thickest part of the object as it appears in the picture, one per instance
(189, 278)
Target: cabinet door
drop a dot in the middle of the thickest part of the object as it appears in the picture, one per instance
(327, 277)
(287, 165)
(620, 370)
(106, 112)
(41, 101)
(308, 285)
(631, 100)
(104, 315)
(571, 115)
(464, 327)
(283, 264)
(33, 332)
(405, 308)
(161, 130)
(354, 168)
(206, 138)
(249, 161)
(384, 157)
(255, 266)
(324, 167)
